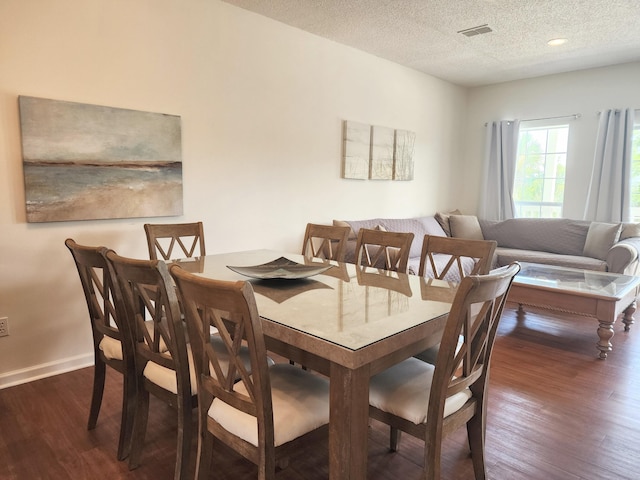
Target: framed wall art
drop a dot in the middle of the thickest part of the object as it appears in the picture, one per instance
(86, 162)
(377, 153)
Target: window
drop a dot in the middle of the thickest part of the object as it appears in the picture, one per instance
(635, 175)
(538, 189)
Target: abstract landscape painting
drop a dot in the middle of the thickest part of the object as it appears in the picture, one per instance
(84, 162)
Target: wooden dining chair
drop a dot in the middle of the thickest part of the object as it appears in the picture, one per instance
(430, 402)
(449, 258)
(266, 413)
(145, 291)
(107, 327)
(186, 238)
(382, 249)
(327, 242)
(163, 356)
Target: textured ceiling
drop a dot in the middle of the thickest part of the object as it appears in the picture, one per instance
(422, 34)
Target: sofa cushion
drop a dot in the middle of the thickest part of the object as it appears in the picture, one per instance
(630, 230)
(507, 255)
(600, 238)
(342, 223)
(465, 226)
(356, 225)
(554, 235)
(443, 220)
(420, 227)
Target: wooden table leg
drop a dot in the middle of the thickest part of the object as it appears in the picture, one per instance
(627, 318)
(605, 332)
(348, 423)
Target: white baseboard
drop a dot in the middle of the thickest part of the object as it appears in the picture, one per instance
(18, 377)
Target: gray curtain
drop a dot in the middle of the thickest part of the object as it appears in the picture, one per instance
(608, 199)
(496, 198)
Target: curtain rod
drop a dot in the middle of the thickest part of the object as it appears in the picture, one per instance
(573, 115)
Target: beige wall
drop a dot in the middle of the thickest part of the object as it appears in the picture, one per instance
(261, 107)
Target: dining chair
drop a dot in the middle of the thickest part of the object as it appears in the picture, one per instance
(327, 242)
(162, 353)
(448, 258)
(265, 414)
(145, 291)
(431, 401)
(107, 328)
(383, 249)
(186, 238)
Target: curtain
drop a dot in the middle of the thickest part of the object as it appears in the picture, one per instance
(496, 199)
(608, 199)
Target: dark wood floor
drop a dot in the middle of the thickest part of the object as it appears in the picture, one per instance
(555, 412)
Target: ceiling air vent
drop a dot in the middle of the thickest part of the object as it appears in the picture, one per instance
(479, 30)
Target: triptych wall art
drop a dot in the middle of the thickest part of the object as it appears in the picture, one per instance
(85, 162)
(377, 153)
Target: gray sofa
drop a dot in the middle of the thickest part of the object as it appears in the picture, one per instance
(564, 242)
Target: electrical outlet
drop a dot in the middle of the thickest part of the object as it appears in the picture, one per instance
(4, 326)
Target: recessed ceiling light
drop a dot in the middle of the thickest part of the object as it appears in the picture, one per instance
(557, 41)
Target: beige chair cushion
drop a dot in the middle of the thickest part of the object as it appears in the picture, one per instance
(600, 239)
(166, 377)
(300, 404)
(404, 389)
(112, 348)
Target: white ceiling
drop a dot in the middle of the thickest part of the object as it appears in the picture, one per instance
(422, 34)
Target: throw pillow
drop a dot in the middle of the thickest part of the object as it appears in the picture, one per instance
(465, 226)
(443, 220)
(630, 230)
(341, 223)
(600, 238)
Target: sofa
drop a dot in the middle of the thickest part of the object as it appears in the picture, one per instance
(609, 247)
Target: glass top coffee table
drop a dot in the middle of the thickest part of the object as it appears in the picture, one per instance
(600, 295)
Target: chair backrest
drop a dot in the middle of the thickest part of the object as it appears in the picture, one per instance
(454, 258)
(474, 318)
(163, 238)
(231, 308)
(325, 241)
(98, 291)
(381, 249)
(146, 293)
(384, 279)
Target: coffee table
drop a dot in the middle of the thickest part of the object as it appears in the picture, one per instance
(600, 295)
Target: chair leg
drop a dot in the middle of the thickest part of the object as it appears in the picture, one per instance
(205, 453)
(139, 426)
(128, 416)
(394, 438)
(432, 452)
(476, 436)
(183, 449)
(99, 373)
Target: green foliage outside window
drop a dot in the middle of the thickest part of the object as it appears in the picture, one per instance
(540, 171)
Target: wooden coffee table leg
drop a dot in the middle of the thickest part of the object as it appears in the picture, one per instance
(605, 332)
(627, 318)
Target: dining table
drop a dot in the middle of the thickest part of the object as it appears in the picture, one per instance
(343, 321)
